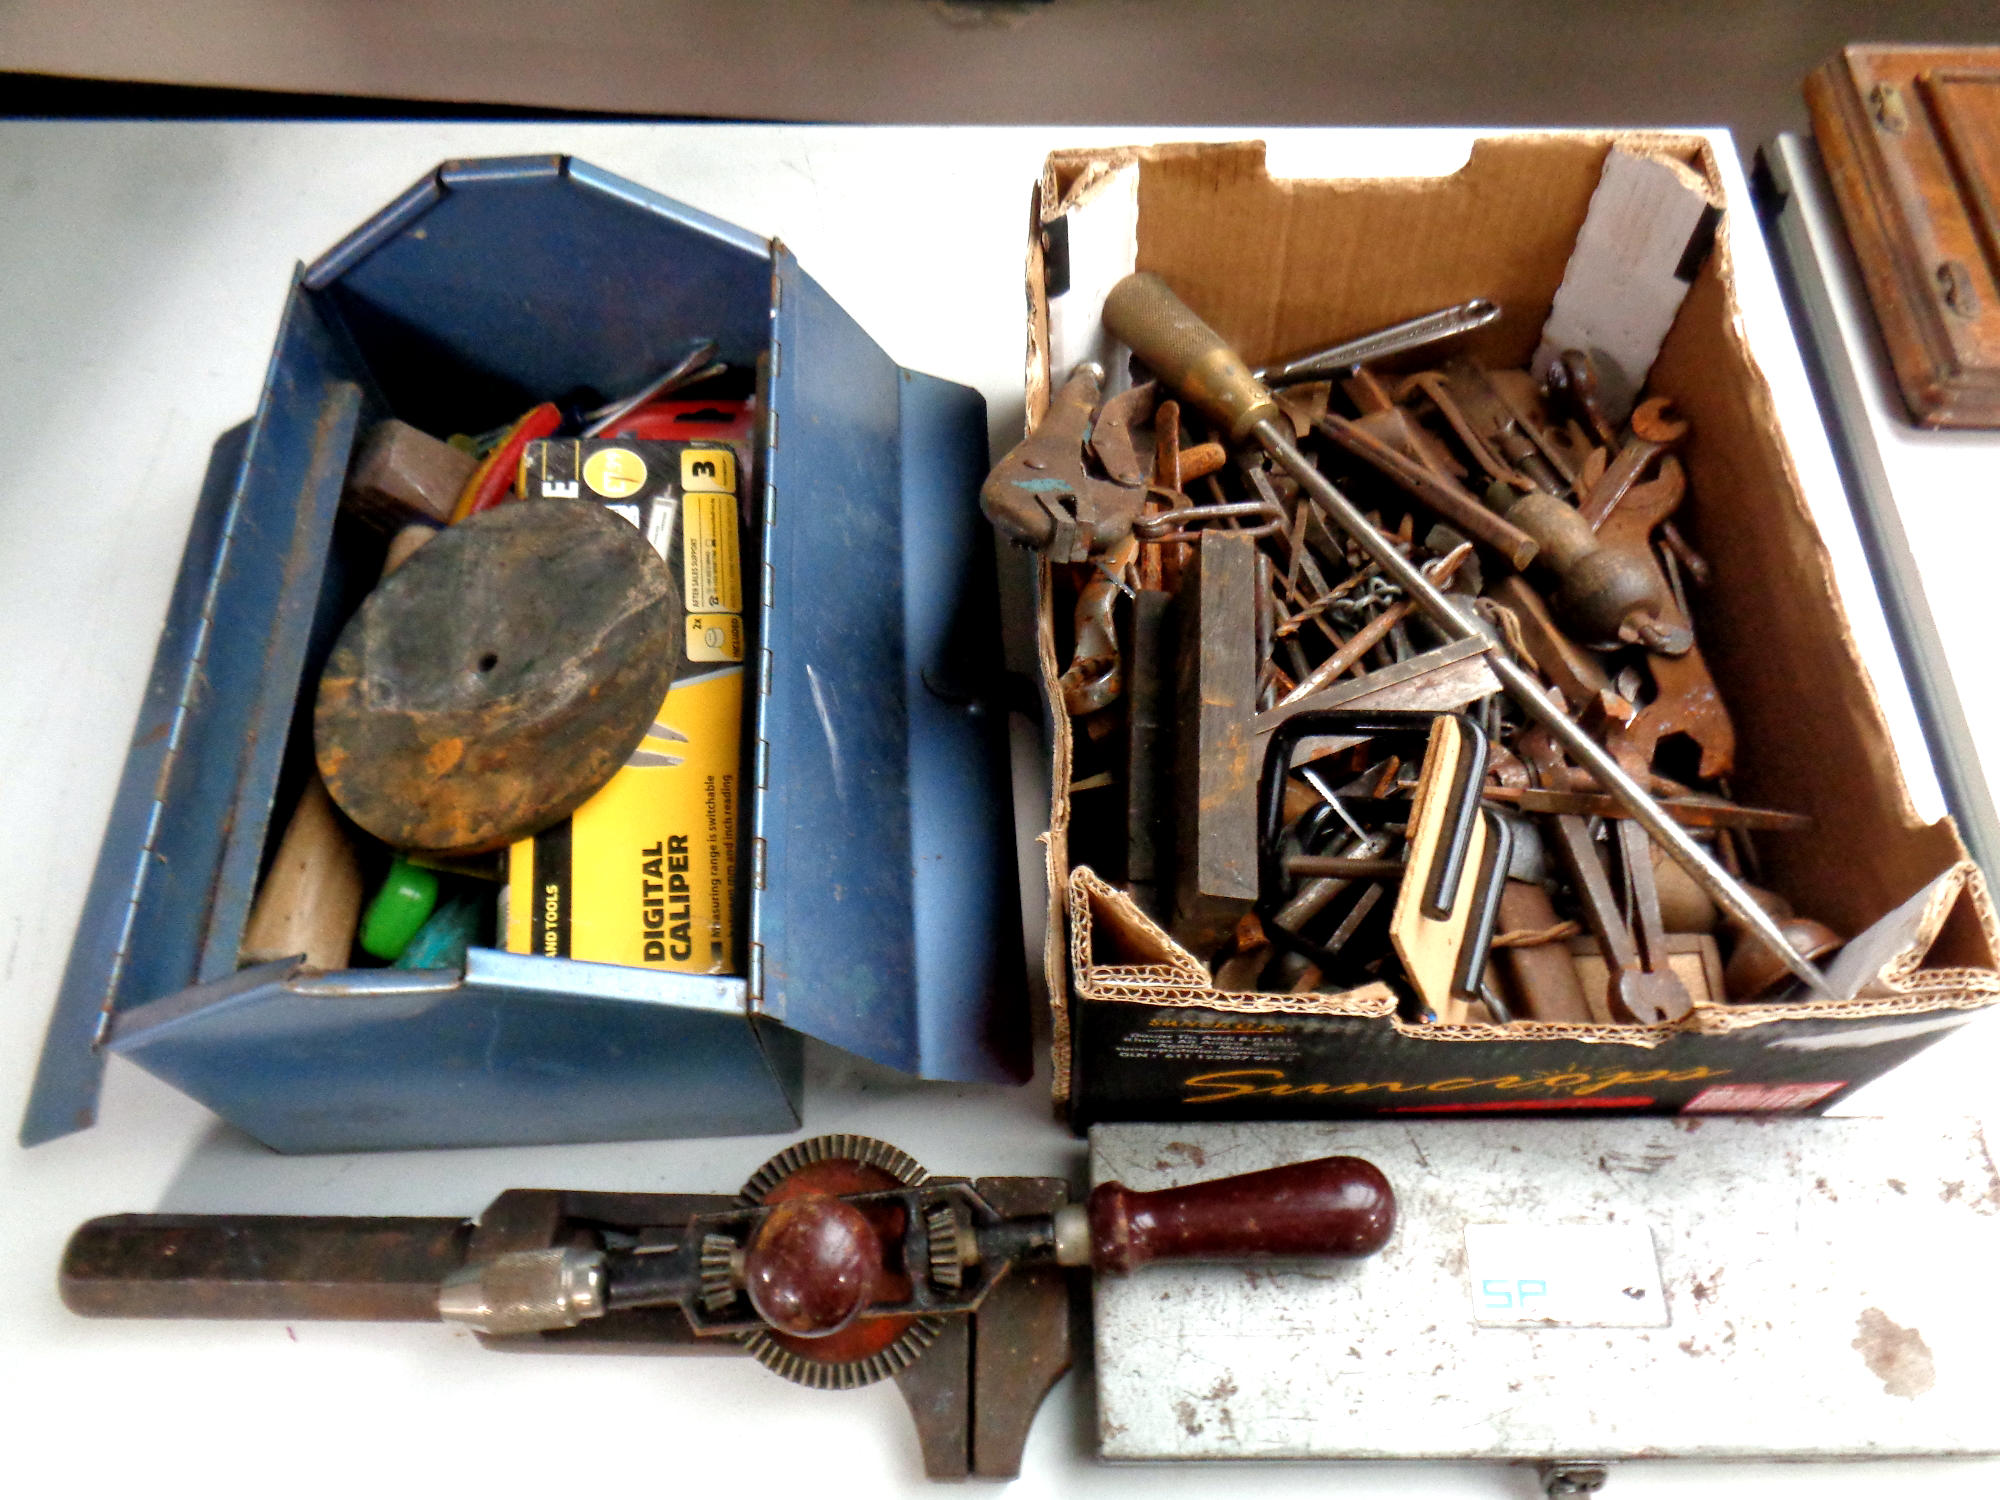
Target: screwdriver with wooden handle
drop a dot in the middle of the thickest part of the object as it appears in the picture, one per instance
(1146, 315)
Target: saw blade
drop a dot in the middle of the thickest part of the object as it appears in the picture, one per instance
(869, 1349)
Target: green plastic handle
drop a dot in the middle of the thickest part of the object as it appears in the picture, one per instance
(402, 905)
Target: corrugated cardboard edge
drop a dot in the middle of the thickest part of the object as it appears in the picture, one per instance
(1180, 980)
(1056, 194)
(1055, 844)
(1069, 178)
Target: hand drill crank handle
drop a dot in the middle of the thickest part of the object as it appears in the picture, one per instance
(1339, 1206)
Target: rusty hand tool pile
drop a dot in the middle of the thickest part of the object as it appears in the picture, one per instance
(1289, 574)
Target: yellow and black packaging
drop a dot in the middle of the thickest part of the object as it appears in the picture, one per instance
(644, 872)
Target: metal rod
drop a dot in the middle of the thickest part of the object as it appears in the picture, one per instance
(1343, 866)
(1443, 496)
(1688, 811)
(1397, 338)
(1172, 525)
(693, 365)
(1349, 655)
(261, 1266)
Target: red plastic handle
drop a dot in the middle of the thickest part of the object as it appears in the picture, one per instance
(493, 480)
(1337, 1206)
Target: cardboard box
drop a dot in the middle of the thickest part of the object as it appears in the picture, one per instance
(1140, 1030)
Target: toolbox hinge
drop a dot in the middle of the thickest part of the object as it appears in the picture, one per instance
(757, 863)
(755, 983)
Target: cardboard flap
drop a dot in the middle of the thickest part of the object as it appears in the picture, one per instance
(1120, 953)
(1883, 960)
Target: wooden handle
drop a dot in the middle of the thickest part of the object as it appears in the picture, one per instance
(1191, 358)
(812, 1265)
(1337, 1206)
(311, 899)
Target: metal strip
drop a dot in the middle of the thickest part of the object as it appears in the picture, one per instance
(1899, 582)
(655, 203)
(491, 169)
(777, 390)
(284, 657)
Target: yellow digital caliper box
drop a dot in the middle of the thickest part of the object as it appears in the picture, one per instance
(644, 872)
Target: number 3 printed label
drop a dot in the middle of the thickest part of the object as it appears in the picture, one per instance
(709, 469)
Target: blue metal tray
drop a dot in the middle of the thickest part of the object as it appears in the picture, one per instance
(882, 903)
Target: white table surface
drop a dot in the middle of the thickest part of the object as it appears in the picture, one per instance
(1945, 485)
(142, 267)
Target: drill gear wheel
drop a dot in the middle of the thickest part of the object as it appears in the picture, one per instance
(784, 1358)
(858, 1149)
(947, 1261)
(874, 1348)
(718, 1271)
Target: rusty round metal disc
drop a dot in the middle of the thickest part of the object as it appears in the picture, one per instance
(497, 679)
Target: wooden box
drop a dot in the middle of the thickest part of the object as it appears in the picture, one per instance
(1911, 139)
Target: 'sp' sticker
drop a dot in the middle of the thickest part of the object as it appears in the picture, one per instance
(1565, 1276)
(614, 473)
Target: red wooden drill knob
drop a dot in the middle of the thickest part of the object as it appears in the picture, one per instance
(812, 1265)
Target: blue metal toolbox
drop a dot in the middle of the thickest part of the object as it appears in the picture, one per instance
(882, 900)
